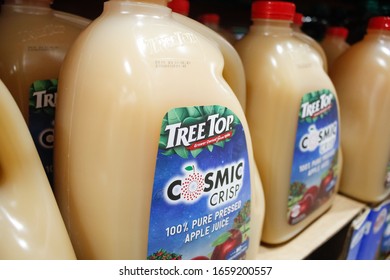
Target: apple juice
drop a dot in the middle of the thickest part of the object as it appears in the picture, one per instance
(153, 154)
(334, 43)
(35, 41)
(297, 31)
(293, 115)
(361, 76)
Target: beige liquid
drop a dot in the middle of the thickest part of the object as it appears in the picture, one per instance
(312, 43)
(35, 46)
(280, 69)
(362, 78)
(110, 109)
(334, 45)
(233, 70)
(30, 221)
(36, 39)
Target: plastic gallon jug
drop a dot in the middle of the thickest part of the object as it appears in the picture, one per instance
(361, 76)
(334, 43)
(30, 221)
(35, 42)
(297, 24)
(293, 116)
(233, 69)
(153, 155)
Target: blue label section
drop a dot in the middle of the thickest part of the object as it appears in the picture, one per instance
(385, 244)
(201, 194)
(315, 163)
(370, 238)
(375, 243)
(41, 121)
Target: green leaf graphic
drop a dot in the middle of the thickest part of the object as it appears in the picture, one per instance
(163, 141)
(194, 112)
(221, 239)
(39, 85)
(220, 144)
(191, 121)
(169, 152)
(209, 110)
(189, 168)
(196, 152)
(181, 151)
(164, 125)
(219, 110)
(305, 98)
(177, 115)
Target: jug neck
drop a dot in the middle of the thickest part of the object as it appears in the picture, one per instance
(272, 17)
(336, 33)
(378, 27)
(375, 34)
(272, 27)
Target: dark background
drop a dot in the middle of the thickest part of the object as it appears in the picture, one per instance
(352, 14)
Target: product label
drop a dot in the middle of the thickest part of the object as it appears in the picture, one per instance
(41, 121)
(201, 194)
(315, 161)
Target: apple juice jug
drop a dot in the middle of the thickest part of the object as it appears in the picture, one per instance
(292, 111)
(361, 76)
(297, 25)
(153, 155)
(35, 40)
(334, 43)
(30, 221)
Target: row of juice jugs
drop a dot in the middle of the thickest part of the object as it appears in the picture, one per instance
(172, 144)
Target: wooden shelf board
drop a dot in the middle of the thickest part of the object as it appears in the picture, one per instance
(340, 214)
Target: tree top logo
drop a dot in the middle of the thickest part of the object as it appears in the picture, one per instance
(189, 130)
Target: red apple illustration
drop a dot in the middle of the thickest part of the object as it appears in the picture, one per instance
(311, 192)
(310, 198)
(305, 205)
(325, 183)
(221, 251)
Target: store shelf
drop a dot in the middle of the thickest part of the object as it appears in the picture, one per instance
(339, 215)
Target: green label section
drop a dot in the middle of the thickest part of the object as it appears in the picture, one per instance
(201, 194)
